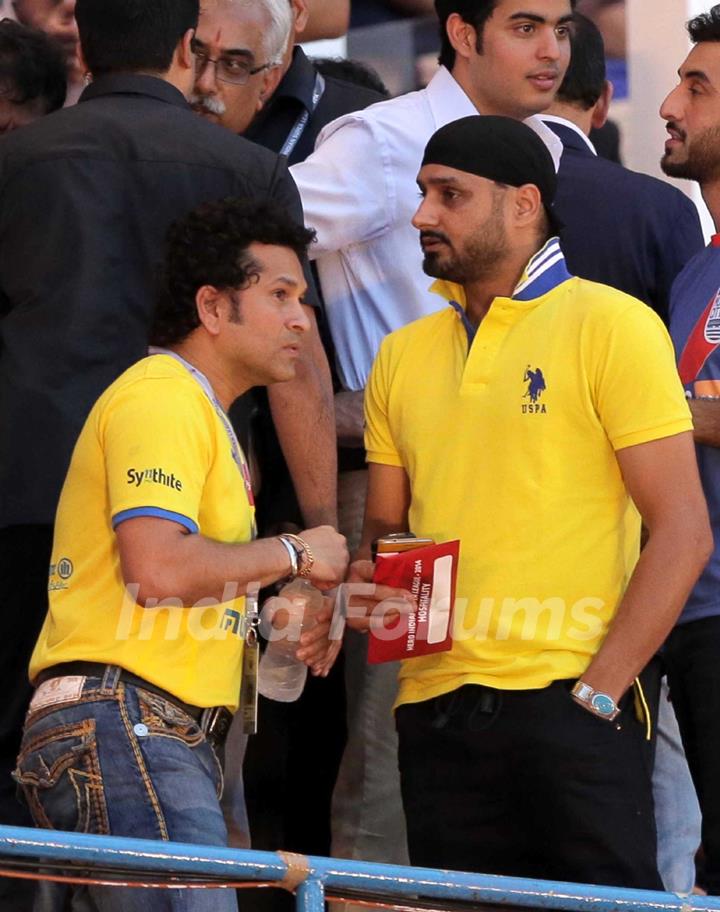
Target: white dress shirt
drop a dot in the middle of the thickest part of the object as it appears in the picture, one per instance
(553, 119)
(359, 192)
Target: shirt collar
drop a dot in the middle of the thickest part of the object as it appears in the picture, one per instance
(299, 80)
(134, 84)
(545, 271)
(449, 102)
(569, 125)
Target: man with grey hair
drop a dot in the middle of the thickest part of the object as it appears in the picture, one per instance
(306, 99)
(239, 48)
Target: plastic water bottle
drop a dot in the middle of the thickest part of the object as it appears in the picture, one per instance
(281, 676)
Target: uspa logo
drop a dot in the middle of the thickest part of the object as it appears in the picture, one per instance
(536, 386)
(712, 324)
(65, 568)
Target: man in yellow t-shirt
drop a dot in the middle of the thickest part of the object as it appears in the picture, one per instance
(529, 419)
(138, 665)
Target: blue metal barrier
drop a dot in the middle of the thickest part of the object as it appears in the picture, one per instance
(323, 877)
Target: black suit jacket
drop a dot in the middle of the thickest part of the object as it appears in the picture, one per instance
(86, 196)
(624, 229)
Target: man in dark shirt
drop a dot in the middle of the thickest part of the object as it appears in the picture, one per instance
(86, 196)
(623, 229)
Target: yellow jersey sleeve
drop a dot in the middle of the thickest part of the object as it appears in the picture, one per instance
(157, 450)
(637, 390)
(379, 441)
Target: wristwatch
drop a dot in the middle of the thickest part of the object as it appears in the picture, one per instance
(598, 703)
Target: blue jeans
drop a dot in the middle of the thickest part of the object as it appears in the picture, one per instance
(125, 762)
(677, 813)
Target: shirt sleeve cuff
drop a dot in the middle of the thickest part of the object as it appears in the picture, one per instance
(384, 458)
(157, 512)
(650, 434)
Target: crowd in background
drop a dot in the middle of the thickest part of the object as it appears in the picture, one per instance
(111, 140)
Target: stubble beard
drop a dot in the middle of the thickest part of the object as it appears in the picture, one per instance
(702, 161)
(477, 260)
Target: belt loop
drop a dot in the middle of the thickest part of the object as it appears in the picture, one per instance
(110, 679)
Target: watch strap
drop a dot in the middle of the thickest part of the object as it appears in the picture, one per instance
(585, 695)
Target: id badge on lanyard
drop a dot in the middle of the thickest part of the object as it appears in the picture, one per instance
(251, 658)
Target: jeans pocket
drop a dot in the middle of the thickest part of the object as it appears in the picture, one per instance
(164, 719)
(59, 774)
(161, 717)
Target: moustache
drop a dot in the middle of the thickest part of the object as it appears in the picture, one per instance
(433, 235)
(671, 125)
(208, 103)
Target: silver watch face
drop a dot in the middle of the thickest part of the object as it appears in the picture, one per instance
(603, 704)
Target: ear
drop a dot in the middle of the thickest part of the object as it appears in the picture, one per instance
(185, 56)
(271, 80)
(601, 109)
(462, 35)
(209, 302)
(301, 15)
(526, 205)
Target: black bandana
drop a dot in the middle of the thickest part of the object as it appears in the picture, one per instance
(498, 149)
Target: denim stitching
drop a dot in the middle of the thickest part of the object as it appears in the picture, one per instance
(100, 820)
(152, 794)
(92, 811)
(167, 727)
(70, 730)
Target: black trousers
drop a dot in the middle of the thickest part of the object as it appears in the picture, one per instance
(528, 784)
(692, 661)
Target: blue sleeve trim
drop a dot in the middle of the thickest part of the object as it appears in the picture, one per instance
(155, 511)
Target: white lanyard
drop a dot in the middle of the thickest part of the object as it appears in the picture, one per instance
(235, 448)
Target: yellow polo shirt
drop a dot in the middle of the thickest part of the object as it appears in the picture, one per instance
(153, 445)
(509, 445)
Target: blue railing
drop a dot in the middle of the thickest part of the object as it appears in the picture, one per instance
(315, 879)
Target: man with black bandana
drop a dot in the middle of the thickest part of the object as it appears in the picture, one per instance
(513, 420)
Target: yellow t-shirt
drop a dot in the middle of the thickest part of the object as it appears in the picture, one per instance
(510, 447)
(153, 445)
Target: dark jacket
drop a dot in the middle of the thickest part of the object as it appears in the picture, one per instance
(622, 228)
(86, 196)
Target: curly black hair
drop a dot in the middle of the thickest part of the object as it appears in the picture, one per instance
(209, 246)
(32, 67)
(706, 26)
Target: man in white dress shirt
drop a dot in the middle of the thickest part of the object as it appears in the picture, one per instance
(505, 57)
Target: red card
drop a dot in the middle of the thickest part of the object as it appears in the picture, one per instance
(430, 574)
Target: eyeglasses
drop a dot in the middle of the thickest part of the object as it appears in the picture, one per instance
(227, 69)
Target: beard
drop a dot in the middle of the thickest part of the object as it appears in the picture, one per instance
(478, 257)
(702, 159)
